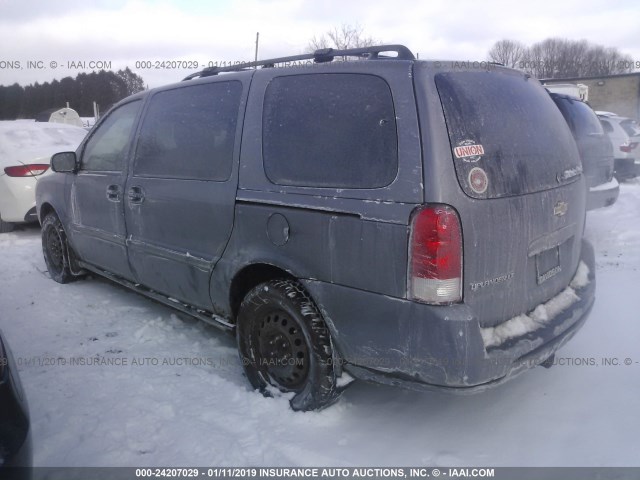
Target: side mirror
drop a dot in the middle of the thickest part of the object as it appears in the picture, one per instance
(64, 162)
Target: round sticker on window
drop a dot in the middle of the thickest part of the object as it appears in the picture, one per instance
(478, 180)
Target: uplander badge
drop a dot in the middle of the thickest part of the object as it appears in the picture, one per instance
(486, 283)
(569, 173)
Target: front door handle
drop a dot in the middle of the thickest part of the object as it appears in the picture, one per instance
(136, 195)
(113, 193)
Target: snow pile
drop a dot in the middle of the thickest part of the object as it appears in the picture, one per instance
(344, 380)
(614, 231)
(541, 315)
(613, 183)
(26, 142)
(581, 278)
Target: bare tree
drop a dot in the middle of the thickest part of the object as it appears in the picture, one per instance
(561, 58)
(507, 52)
(346, 36)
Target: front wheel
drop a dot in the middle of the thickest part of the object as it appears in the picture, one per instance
(285, 344)
(55, 250)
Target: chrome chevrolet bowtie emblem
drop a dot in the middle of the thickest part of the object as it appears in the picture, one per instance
(560, 209)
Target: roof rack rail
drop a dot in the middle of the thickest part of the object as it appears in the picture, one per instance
(319, 56)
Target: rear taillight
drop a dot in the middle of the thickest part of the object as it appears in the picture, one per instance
(626, 147)
(435, 255)
(32, 170)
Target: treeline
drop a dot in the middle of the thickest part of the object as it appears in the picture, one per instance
(562, 58)
(103, 87)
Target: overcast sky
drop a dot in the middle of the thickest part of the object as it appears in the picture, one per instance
(125, 31)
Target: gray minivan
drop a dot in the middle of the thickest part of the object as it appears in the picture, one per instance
(407, 222)
(596, 150)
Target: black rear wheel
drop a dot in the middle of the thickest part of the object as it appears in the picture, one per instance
(282, 346)
(55, 250)
(285, 345)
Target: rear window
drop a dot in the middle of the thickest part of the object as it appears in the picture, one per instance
(579, 116)
(507, 136)
(631, 127)
(330, 130)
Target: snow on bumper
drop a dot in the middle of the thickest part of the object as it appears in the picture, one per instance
(542, 315)
(425, 347)
(603, 195)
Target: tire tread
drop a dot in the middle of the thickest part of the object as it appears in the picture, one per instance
(325, 391)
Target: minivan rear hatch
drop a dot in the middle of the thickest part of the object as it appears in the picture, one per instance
(505, 124)
(523, 208)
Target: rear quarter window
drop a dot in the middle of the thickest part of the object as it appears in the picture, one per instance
(330, 130)
(522, 142)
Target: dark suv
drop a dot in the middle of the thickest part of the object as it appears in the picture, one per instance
(596, 150)
(408, 222)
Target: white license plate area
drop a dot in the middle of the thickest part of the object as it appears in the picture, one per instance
(548, 264)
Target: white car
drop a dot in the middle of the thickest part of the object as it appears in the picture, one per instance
(624, 134)
(25, 152)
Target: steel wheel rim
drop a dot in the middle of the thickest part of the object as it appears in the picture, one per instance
(282, 350)
(54, 249)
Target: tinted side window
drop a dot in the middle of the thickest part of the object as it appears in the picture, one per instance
(190, 132)
(330, 130)
(107, 147)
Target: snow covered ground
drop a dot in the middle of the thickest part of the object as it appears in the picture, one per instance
(174, 394)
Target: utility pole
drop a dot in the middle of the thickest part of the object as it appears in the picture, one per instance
(257, 40)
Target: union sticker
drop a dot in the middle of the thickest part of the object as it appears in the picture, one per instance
(468, 151)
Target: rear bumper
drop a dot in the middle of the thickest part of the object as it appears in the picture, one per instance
(423, 347)
(626, 168)
(603, 195)
(17, 197)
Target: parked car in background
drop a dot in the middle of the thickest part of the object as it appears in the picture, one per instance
(579, 91)
(25, 153)
(596, 150)
(625, 137)
(406, 222)
(15, 430)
